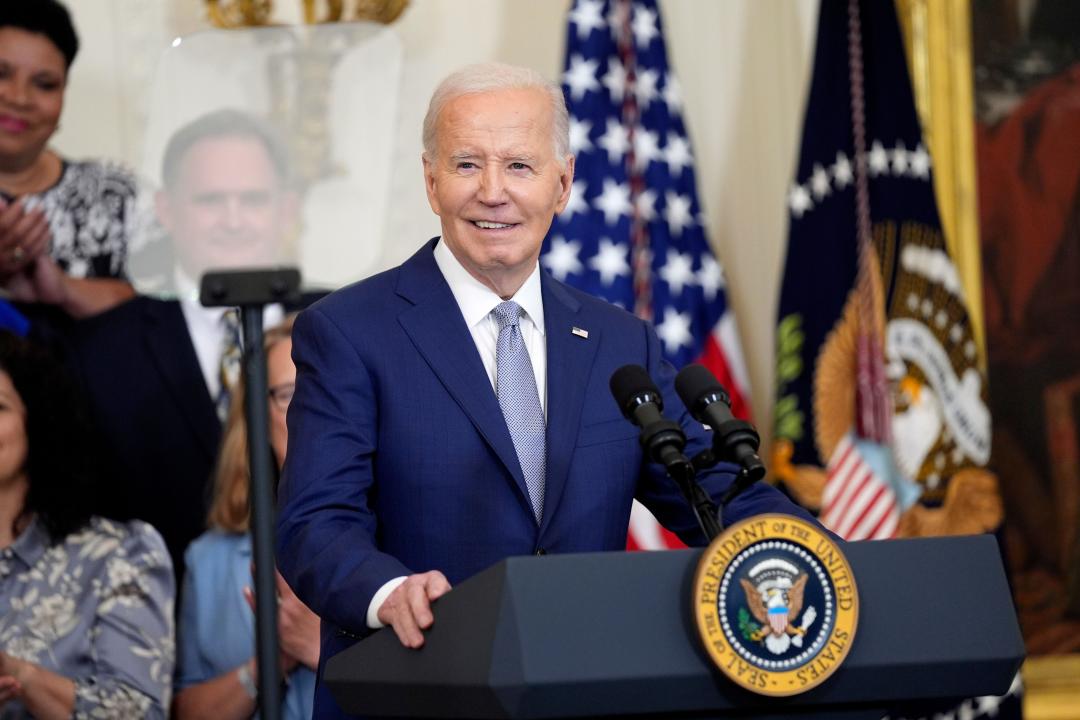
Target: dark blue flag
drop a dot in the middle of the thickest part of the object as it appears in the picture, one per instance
(882, 423)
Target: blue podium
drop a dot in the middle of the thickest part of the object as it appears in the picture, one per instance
(613, 635)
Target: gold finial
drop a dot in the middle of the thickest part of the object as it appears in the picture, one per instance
(239, 13)
(383, 11)
(255, 13)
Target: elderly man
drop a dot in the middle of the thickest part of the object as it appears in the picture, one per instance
(455, 410)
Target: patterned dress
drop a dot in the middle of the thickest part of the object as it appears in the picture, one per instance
(96, 213)
(96, 608)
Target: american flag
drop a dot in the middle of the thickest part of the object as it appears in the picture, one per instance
(857, 503)
(632, 232)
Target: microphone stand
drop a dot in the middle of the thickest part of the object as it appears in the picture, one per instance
(751, 469)
(707, 514)
(252, 291)
(664, 440)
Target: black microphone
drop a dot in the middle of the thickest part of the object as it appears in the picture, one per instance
(641, 403)
(734, 440)
(663, 440)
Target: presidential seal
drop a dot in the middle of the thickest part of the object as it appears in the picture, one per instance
(775, 604)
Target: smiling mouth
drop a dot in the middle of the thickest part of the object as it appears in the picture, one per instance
(13, 124)
(485, 225)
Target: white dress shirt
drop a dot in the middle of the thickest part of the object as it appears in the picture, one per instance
(207, 331)
(477, 301)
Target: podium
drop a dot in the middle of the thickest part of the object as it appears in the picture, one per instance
(613, 635)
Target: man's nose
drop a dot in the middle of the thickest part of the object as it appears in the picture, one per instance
(492, 185)
(234, 213)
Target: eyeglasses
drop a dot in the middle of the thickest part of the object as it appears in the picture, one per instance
(281, 395)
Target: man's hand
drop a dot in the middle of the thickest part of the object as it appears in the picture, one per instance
(408, 608)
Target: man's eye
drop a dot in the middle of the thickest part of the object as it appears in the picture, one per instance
(518, 166)
(466, 165)
(209, 199)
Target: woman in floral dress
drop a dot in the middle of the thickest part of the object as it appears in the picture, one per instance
(86, 604)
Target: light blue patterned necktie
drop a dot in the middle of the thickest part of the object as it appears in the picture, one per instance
(515, 385)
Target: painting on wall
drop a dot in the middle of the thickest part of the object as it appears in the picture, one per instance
(1026, 58)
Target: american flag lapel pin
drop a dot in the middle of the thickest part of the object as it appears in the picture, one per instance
(583, 334)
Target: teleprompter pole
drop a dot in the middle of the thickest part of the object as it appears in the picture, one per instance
(252, 291)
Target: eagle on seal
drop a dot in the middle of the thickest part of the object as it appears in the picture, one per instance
(775, 605)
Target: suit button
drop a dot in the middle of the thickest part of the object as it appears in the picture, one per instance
(541, 551)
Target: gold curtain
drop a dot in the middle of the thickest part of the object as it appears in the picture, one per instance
(937, 36)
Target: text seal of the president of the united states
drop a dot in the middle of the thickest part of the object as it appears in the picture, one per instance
(776, 605)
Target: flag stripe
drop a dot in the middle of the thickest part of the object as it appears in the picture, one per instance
(855, 490)
(870, 518)
(857, 504)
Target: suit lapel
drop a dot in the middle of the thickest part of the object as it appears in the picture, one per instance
(569, 360)
(169, 344)
(437, 329)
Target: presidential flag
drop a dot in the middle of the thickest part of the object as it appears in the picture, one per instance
(632, 232)
(882, 422)
(881, 406)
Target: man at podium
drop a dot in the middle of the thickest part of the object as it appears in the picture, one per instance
(455, 410)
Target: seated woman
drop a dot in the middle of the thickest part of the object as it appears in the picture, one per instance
(65, 226)
(215, 665)
(86, 604)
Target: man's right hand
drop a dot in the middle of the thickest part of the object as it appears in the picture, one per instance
(408, 608)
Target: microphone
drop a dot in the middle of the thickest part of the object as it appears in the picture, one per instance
(663, 440)
(641, 403)
(733, 439)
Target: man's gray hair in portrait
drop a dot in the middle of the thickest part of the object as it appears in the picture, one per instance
(493, 77)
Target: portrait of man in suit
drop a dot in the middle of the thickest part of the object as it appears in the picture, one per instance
(157, 369)
(455, 410)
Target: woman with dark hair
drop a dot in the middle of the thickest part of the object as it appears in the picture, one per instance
(215, 670)
(86, 604)
(64, 226)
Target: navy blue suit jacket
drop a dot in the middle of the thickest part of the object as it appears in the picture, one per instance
(157, 427)
(400, 461)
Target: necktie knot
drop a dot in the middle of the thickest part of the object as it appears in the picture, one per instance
(508, 314)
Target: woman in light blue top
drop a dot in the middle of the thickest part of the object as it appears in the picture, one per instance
(216, 671)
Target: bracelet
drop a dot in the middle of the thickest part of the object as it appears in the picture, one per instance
(243, 675)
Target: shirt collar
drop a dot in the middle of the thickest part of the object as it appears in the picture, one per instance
(477, 300)
(31, 543)
(186, 288)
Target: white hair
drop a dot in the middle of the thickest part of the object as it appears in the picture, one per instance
(492, 77)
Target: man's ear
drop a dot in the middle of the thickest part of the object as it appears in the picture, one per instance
(290, 208)
(429, 183)
(163, 209)
(566, 183)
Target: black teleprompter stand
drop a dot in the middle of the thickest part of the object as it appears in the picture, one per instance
(252, 291)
